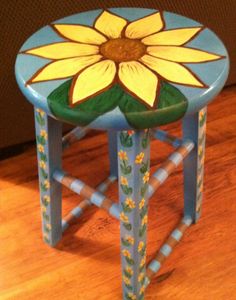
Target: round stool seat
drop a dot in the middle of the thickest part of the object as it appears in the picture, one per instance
(122, 68)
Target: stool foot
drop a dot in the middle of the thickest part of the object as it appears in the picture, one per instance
(49, 150)
(133, 165)
(194, 128)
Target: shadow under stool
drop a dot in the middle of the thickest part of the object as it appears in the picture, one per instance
(126, 71)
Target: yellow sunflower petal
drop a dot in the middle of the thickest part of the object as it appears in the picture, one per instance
(171, 71)
(110, 24)
(181, 54)
(92, 80)
(64, 68)
(174, 37)
(63, 50)
(139, 80)
(145, 26)
(80, 33)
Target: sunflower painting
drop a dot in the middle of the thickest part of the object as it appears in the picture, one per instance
(132, 65)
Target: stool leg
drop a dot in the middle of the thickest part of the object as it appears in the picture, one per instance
(112, 139)
(194, 128)
(49, 151)
(133, 166)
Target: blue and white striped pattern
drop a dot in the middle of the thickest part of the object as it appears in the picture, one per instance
(73, 136)
(72, 216)
(166, 168)
(164, 136)
(165, 251)
(79, 187)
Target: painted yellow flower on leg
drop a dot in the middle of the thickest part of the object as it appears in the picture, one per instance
(126, 253)
(41, 148)
(140, 246)
(46, 198)
(129, 270)
(141, 277)
(122, 155)
(129, 239)
(139, 158)
(42, 164)
(143, 261)
(44, 134)
(124, 218)
(132, 296)
(146, 177)
(130, 203)
(141, 203)
(115, 50)
(126, 280)
(123, 180)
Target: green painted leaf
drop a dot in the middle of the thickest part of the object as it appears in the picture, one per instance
(85, 112)
(45, 203)
(43, 188)
(130, 191)
(122, 169)
(126, 208)
(144, 143)
(41, 140)
(142, 281)
(130, 261)
(126, 140)
(144, 189)
(172, 105)
(40, 120)
(127, 190)
(145, 140)
(125, 242)
(127, 274)
(45, 216)
(127, 226)
(125, 170)
(142, 230)
(143, 251)
(38, 139)
(128, 170)
(143, 212)
(141, 268)
(43, 156)
(46, 229)
(43, 173)
(144, 168)
(129, 287)
(203, 120)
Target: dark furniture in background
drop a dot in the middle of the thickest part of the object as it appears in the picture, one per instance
(19, 19)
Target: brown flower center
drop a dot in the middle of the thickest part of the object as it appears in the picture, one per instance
(123, 49)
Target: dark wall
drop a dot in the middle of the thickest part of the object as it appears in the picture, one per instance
(20, 18)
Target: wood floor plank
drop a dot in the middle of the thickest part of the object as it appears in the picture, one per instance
(85, 265)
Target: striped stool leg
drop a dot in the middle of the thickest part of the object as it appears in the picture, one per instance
(194, 128)
(112, 141)
(133, 165)
(49, 148)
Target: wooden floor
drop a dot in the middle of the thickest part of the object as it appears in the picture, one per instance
(86, 263)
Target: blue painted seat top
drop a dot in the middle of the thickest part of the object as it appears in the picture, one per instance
(122, 68)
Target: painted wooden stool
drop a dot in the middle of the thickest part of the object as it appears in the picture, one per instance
(126, 71)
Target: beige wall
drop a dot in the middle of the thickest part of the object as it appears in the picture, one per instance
(20, 18)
